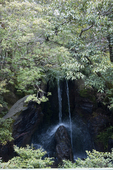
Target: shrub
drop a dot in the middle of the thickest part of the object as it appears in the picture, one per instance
(28, 158)
(94, 159)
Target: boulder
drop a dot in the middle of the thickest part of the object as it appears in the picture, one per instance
(26, 124)
(63, 144)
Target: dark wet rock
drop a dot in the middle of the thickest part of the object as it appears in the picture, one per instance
(26, 124)
(63, 144)
(7, 151)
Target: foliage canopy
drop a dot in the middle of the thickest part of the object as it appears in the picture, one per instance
(41, 40)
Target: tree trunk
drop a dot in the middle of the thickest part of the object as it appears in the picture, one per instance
(110, 41)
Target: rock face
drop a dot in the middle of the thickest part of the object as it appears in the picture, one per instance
(26, 124)
(16, 108)
(63, 144)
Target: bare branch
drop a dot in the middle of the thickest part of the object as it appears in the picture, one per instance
(85, 29)
(90, 62)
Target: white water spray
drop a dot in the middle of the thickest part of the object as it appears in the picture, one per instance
(59, 102)
(67, 90)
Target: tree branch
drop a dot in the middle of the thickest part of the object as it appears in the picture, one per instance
(57, 27)
(85, 29)
(109, 11)
(90, 62)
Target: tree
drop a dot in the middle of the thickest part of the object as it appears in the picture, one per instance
(26, 56)
(86, 28)
(42, 40)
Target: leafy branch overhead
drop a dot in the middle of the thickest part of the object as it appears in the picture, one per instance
(41, 40)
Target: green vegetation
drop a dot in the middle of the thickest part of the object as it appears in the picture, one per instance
(5, 130)
(28, 158)
(43, 40)
(37, 99)
(94, 159)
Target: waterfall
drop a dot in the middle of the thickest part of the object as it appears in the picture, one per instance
(67, 90)
(59, 102)
(60, 106)
(80, 137)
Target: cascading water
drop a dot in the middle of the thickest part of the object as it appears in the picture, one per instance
(75, 126)
(59, 102)
(67, 90)
(45, 138)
